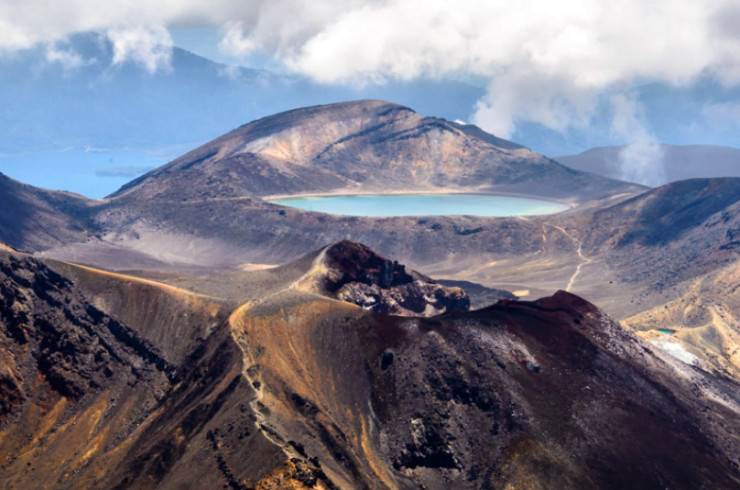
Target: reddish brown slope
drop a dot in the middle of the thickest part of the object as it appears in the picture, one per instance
(296, 390)
(550, 394)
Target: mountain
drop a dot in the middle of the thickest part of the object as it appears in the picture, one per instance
(107, 120)
(188, 332)
(35, 219)
(207, 207)
(669, 235)
(373, 145)
(627, 249)
(115, 381)
(679, 162)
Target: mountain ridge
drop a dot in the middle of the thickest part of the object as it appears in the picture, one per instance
(381, 135)
(204, 214)
(294, 388)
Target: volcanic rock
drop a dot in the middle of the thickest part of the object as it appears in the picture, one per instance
(351, 272)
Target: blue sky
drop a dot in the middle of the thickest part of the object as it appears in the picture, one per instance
(556, 76)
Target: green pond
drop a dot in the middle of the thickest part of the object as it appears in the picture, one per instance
(423, 205)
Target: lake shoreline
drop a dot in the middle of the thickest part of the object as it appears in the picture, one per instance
(275, 197)
(396, 204)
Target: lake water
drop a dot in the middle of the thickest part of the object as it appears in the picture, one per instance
(423, 205)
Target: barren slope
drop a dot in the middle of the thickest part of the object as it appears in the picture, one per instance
(550, 394)
(365, 146)
(91, 402)
(36, 219)
(113, 381)
(205, 210)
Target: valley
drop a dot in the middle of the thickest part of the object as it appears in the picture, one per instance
(191, 330)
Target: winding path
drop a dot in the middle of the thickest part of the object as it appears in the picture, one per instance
(579, 247)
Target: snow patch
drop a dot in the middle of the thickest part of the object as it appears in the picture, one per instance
(676, 350)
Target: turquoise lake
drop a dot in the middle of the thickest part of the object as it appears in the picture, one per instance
(423, 205)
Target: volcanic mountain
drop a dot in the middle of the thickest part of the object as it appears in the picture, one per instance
(263, 380)
(630, 250)
(206, 209)
(362, 146)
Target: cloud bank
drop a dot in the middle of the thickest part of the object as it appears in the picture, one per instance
(546, 62)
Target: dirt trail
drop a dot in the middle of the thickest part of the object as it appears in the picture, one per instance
(125, 277)
(579, 247)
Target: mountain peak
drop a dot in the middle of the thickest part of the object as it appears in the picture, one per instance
(352, 272)
(365, 145)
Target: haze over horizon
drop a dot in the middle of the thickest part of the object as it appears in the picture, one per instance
(558, 78)
(370, 245)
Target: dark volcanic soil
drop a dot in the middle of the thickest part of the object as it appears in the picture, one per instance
(263, 378)
(102, 389)
(206, 207)
(351, 272)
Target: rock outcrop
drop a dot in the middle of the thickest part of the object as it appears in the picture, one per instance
(351, 272)
(101, 388)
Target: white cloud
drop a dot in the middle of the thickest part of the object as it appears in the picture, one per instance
(235, 41)
(552, 100)
(149, 46)
(641, 160)
(25, 23)
(726, 43)
(66, 56)
(546, 61)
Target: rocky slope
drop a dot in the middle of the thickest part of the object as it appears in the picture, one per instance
(204, 213)
(670, 235)
(361, 146)
(92, 401)
(676, 246)
(700, 323)
(351, 272)
(550, 394)
(36, 219)
(104, 389)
